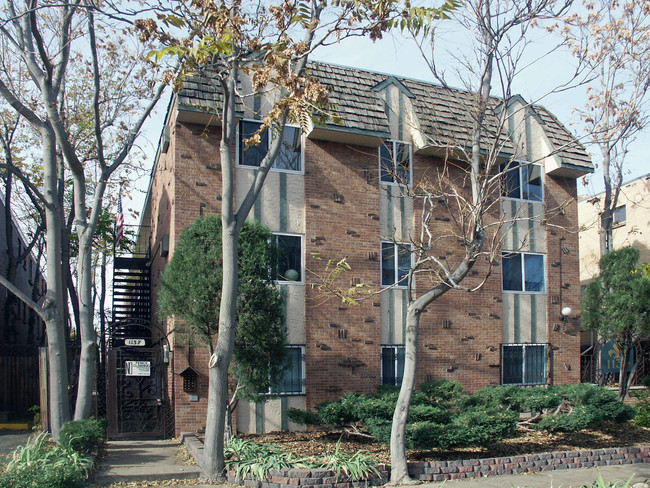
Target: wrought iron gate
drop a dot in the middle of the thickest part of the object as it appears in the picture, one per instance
(135, 393)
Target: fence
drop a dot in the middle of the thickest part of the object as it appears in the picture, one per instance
(19, 387)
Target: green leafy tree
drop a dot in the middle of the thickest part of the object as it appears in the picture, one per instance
(191, 291)
(617, 305)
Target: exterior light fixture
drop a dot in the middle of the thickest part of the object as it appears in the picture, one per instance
(564, 314)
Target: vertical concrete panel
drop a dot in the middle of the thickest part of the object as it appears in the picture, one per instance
(295, 306)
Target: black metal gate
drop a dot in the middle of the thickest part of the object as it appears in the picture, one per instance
(135, 393)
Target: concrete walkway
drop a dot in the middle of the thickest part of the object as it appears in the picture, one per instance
(143, 461)
(11, 439)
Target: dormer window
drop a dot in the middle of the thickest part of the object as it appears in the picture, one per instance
(522, 181)
(395, 162)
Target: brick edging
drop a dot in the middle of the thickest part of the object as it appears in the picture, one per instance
(440, 470)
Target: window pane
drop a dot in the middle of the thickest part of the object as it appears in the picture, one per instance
(289, 258)
(511, 268)
(510, 180)
(532, 175)
(292, 380)
(535, 365)
(512, 365)
(401, 353)
(403, 263)
(254, 155)
(534, 268)
(619, 215)
(403, 163)
(387, 263)
(388, 365)
(289, 154)
(386, 162)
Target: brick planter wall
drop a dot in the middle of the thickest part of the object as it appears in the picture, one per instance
(441, 470)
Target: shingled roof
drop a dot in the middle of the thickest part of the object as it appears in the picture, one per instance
(443, 113)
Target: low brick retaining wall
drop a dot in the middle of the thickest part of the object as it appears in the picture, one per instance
(440, 470)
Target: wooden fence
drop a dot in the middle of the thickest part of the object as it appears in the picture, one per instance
(19, 381)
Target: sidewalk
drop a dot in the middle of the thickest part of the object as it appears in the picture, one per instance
(143, 461)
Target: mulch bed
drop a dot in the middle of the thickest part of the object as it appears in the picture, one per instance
(313, 443)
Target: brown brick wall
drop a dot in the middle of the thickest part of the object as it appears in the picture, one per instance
(468, 352)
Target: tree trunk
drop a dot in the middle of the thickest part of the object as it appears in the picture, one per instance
(214, 462)
(399, 470)
(86, 385)
(56, 345)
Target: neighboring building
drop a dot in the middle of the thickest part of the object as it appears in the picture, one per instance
(22, 331)
(630, 228)
(331, 193)
(631, 225)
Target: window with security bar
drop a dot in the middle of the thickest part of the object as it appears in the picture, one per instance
(392, 365)
(293, 380)
(523, 364)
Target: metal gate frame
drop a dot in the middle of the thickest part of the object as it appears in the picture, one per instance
(143, 399)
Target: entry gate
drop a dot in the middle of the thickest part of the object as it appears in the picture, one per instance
(135, 393)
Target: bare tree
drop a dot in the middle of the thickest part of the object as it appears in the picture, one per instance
(95, 135)
(468, 184)
(611, 39)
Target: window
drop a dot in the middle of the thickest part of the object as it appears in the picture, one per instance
(523, 272)
(523, 364)
(618, 216)
(289, 156)
(395, 162)
(392, 365)
(289, 257)
(395, 263)
(522, 181)
(293, 380)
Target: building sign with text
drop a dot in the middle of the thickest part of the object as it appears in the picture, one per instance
(610, 358)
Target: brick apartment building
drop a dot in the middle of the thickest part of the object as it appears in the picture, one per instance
(328, 193)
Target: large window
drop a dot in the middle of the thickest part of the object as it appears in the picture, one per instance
(289, 156)
(289, 257)
(523, 272)
(293, 380)
(523, 364)
(395, 263)
(395, 162)
(392, 365)
(522, 181)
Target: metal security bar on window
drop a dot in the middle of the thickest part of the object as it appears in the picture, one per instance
(293, 381)
(523, 364)
(392, 365)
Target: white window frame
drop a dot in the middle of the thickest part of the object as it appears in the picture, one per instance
(396, 348)
(524, 346)
(270, 140)
(302, 258)
(520, 165)
(395, 245)
(303, 375)
(523, 272)
(394, 168)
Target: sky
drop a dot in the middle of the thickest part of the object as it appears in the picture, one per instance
(397, 55)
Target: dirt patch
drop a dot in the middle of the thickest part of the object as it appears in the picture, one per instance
(314, 443)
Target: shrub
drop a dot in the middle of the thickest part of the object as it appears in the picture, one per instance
(341, 412)
(442, 392)
(493, 396)
(303, 417)
(642, 405)
(83, 435)
(38, 464)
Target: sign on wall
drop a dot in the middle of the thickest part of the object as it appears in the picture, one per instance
(610, 358)
(134, 342)
(137, 368)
